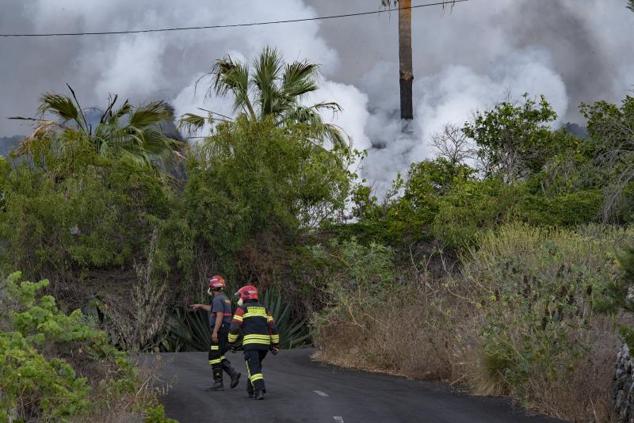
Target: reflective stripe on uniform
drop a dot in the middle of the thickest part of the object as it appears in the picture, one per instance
(215, 347)
(216, 361)
(238, 318)
(255, 312)
(256, 339)
(257, 376)
(233, 337)
(275, 339)
(269, 318)
(248, 369)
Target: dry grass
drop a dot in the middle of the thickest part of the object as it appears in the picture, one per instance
(422, 341)
(437, 329)
(129, 408)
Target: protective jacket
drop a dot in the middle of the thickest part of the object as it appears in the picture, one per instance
(256, 325)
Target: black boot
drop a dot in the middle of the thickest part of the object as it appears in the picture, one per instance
(259, 394)
(217, 386)
(235, 379)
(235, 376)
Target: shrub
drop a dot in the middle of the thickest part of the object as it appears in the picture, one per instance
(521, 318)
(534, 294)
(56, 366)
(253, 182)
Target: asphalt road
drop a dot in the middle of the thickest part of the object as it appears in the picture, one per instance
(300, 390)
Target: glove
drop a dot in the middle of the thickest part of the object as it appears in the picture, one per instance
(275, 349)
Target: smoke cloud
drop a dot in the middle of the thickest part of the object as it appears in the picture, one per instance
(466, 59)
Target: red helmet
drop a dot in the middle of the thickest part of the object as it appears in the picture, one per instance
(248, 292)
(216, 282)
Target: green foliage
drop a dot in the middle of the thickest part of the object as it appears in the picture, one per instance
(513, 140)
(53, 364)
(73, 210)
(156, 414)
(27, 376)
(611, 128)
(129, 132)
(254, 178)
(537, 292)
(471, 207)
(293, 332)
(269, 89)
(187, 331)
(351, 275)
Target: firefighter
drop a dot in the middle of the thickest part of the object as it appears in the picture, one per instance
(259, 335)
(220, 321)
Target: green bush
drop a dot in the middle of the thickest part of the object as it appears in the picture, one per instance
(537, 292)
(73, 211)
(353, 277)
(55, 366)
(254, 185)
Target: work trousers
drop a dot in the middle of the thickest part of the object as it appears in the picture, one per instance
(217, 352)
(253, 359)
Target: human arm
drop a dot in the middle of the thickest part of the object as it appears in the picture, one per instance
(273, 332)
(205, 307)
(217, 325)
(236, 324)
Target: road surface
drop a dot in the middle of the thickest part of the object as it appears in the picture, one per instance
(300, 390)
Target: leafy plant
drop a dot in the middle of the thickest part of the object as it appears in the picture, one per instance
(134, 132)
(187, 331)
(54, 366)
(273, 90)
(537, 292)
(293, 333)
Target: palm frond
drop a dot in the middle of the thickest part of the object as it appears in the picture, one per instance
(155, 142)
(86, 127)
(107, 114)
(61, 106)
(150, 114)
(267, 71)
(192, 122)
(311, 118)
(299, 79)
(630, 5)
(230, 76)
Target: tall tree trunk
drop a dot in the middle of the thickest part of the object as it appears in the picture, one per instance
(405, 58)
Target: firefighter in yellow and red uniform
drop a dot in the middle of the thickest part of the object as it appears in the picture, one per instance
(259, 336)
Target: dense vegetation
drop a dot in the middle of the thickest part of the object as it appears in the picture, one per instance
(58, 367)
(496, 263)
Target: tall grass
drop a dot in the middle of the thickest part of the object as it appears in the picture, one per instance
(520, 318)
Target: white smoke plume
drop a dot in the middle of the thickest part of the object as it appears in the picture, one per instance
(466, 59)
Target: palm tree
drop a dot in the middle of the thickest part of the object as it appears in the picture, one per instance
(134, 132)
(271, 89)
(406, 70)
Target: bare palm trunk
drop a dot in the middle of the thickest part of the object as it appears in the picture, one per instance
(405, 58)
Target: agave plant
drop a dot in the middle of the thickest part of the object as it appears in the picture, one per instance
(292, 333)
(190, 331)
(187, 331)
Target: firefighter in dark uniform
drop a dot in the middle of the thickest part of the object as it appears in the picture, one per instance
(259, 335)
(220, 321)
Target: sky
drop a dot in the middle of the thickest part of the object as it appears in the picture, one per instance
(466, 58)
